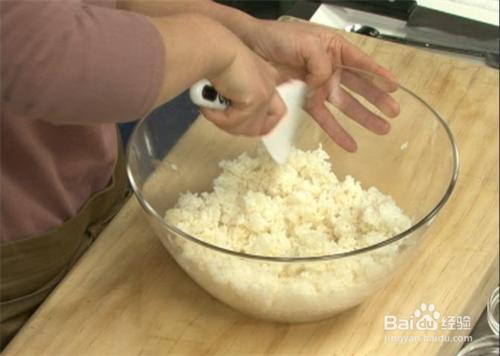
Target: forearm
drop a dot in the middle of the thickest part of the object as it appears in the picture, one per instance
(195, 47)
(237, 21)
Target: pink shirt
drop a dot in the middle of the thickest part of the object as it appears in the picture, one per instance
(70, 69)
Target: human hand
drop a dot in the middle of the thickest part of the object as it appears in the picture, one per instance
(198, 47)
(250, 84)
(316, 55)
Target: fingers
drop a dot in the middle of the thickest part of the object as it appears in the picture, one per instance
(340, 98)
(220, 118)
(341, 52)
(352, 56)
(227, 122)
(371, 92)
(346, 103)
(255, 120)
(317, 109)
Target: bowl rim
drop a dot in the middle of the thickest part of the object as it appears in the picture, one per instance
(427, 219)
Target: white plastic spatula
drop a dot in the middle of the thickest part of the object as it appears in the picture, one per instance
(279, 141)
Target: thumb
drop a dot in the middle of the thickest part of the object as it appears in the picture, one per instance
(277, 106)
(277, 110)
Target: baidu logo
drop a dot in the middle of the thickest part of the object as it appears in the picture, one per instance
(427, 318)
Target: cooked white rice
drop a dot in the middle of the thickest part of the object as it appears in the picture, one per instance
(296, 209)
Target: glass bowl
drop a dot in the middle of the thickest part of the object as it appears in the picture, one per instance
(416, 163)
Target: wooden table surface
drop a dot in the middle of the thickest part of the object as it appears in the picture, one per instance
(127, 296)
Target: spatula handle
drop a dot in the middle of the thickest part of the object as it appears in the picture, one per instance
(204, 94)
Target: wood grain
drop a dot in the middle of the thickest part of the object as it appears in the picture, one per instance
(127, 296)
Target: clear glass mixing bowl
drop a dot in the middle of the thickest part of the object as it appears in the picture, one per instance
(416, 163)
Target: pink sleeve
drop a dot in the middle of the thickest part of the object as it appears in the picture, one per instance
(67, 62)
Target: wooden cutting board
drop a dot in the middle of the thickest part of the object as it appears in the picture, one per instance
(127, 296)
